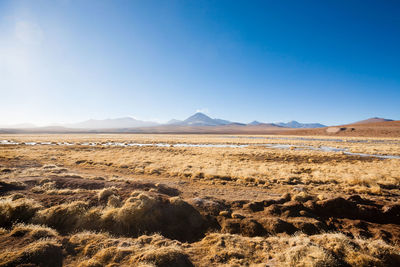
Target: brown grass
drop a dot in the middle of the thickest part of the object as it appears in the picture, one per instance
(177, 206)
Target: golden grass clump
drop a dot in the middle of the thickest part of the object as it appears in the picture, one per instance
(105, 193)
(89, 243)
(307, 255)
(101, 249)
(27, 245)
(164, 257)
(33, 231)
(66, 217)
(299, 250)
(44, 252)
(44, 187)
(3, 231)
(19, 210)
(359, 252)
(114, 201)
(146, 213)
(139, 214)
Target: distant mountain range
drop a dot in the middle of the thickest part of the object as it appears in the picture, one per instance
(200, 119)
(128, 124)
(290, 124)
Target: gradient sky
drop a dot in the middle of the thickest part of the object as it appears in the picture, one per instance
(313, 61)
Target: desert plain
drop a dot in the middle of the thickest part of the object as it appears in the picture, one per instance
(199, 200)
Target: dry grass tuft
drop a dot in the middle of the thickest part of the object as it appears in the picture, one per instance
(164, 257)
(45, 252)
(139, 214)
(299, 250)
(114, 201)
(145, 213)
(100, 249)
(359, 252)
(105, 193)
(65, 218)
(19, 210)
(307, 255)
(32, 231)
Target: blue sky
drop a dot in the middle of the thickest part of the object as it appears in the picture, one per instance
(312, 61)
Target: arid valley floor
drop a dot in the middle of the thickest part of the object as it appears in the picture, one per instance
(199, 200)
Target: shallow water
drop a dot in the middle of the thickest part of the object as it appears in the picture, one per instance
(274, 146)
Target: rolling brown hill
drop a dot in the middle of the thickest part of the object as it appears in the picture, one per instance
(372, 120)
(367, 129)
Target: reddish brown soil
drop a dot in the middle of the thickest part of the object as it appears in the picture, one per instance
(374, 129)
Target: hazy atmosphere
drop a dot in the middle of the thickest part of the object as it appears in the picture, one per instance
(199, 133)
(67, 61)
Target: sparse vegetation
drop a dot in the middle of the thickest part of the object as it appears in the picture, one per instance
(193, 206)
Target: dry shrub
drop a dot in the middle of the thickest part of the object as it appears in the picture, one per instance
(44, 187)
(359, 252)
(45, 252)
(88, 243)
(139, 214)
(105, 193)
(19, 210)
(101, 249)
(65, 218)
(230, 249)
(307, 255)
(164, 257)
(300, 250)
(33, 232)
(373, 189)
(3, 231)
(145, 213)
(114, 201)
(102, 257)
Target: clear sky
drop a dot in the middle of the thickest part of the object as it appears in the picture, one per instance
(312, 61)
